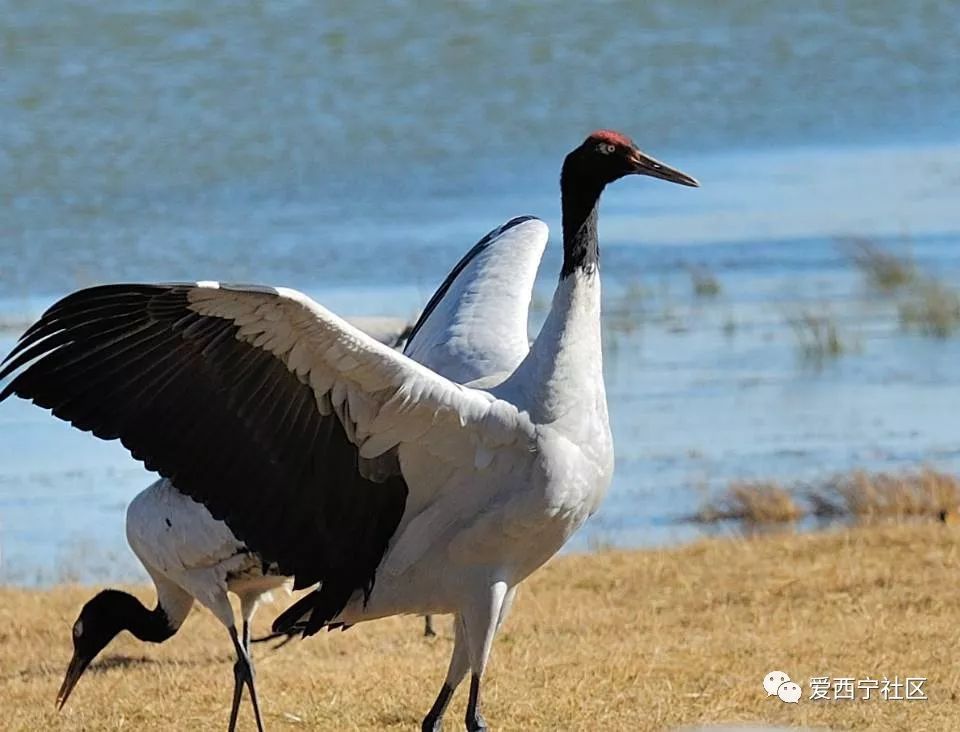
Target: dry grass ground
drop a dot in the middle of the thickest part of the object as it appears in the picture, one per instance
(640, 640)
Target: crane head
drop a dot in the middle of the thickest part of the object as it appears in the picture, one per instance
(607, 156)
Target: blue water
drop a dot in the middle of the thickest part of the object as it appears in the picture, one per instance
(356, 154)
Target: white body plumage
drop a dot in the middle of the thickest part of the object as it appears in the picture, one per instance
(502, 510)
(189, 554)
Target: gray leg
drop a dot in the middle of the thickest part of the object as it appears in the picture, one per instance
(246, 637)
(507, 604)
(243, 674)
(459, 661)
(481, 619)
(428, 631)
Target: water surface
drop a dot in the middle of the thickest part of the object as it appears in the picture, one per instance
(357, 153)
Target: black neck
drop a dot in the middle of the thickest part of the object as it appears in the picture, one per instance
(146, 625)
(580, 196)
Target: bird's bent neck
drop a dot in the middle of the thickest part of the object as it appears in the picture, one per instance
(153, 626)
(580, 198)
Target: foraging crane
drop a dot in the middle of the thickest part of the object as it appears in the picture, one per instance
(346, 463)
(191, 555)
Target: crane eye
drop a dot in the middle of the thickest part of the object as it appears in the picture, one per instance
(606, 148)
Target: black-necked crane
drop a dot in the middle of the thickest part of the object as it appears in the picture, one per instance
(346, 463)
(190, 555)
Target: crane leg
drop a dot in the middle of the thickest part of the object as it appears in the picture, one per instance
(474, 720)
(246, 637)
(482, 619)
(488, 615)
(428, 631)
(459, 663)
(243, 675)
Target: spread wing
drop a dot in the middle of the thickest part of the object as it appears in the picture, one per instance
(281, 418)
(475, 325)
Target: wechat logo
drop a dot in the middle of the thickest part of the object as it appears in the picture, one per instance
(778, 684)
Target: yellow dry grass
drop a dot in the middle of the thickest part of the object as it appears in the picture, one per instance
(638, 640)
(857, 495)
(761, 502)
(864, 495)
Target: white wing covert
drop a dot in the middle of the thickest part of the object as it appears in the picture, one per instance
(475, 325)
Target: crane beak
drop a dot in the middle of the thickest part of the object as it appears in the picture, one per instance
(75, 670)
(643, 164)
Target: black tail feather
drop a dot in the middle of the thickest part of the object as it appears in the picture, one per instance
(291, 620)
(297, 629)
(314, 611)
(287, 637)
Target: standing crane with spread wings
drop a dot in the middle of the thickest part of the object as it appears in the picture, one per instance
(347, 464)
(190, 555)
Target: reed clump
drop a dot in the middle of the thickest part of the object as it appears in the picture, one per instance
(817, 336)
(933, 309)
(883, 270)
(926, 304)
(865, 496)
(752, 502)
(704, 282)
(855, 497)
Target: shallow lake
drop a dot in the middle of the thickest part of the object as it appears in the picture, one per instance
(356, 155)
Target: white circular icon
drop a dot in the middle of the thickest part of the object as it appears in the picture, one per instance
(789, 692)
(772, 681)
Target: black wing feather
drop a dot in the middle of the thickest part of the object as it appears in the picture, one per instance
(226, 422)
